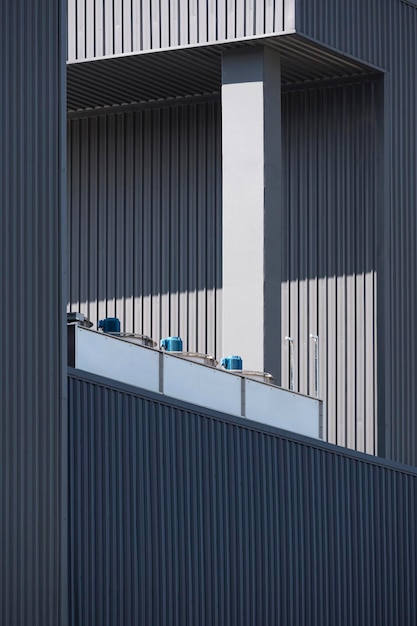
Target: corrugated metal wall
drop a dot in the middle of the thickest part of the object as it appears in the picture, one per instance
(97, 28)
(329, 286)
(145, 236)
(363, 29)
(401, 190)
(385, 33)
(184, 518)
(33, 385)
(145, 221)
(382, 32)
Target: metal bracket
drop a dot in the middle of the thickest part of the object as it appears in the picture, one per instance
(291, 346)
(316, 363)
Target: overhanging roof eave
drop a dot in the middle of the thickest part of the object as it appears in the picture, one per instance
(195, 71)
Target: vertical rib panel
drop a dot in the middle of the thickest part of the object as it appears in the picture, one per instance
(384, 33)
(183, 518)
(145, 222)
(329, 279)
(132, 26)
(359, 28)
(402, 441)
(33, 385)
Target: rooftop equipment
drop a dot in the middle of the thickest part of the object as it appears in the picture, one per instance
(232, 363)
(197, 357)
(175, 344)
(171, 344)
(109, 325)
(262, 377)
(74, 317)
(140, 340)
(174, 374)
(235, 364)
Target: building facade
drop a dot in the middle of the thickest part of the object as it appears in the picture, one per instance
(183, 516)
(242, 174)
(247, 220)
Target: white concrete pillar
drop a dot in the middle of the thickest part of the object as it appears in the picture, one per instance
(252, 204)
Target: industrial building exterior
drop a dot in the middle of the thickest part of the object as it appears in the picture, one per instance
(170, 106)
(242, 174)
(180, 515)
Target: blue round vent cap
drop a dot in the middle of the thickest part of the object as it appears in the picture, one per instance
(171, 344)
(232, 362)
(110, 325)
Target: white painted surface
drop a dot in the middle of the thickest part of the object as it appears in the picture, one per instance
(243, 220)
(205, 386)
(251, 179)
(117, 359)
(282, 408)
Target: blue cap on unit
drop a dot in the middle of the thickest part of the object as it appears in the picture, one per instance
(231, 363)
(171, 344)
(110, 325)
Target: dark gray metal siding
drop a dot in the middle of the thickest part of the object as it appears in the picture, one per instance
(180, 517)
(366, 30)
(385, 33)
(145, 222)
(329, 287)
(176, 73)
(33, 385)
(97, 28)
